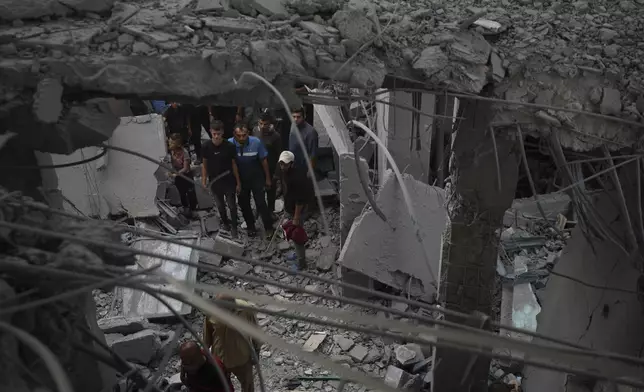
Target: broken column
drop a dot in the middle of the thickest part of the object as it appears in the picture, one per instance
(352, 196)
(390, 252)
(476, 207)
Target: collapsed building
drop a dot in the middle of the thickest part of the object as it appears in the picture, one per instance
(567, 76)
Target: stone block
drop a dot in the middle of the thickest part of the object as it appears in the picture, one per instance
(269, 7)
(209, 258)
(344, 343)
(123, 325)
(396, 377)
(327, 258)
(408, 355)
(230, 25)
(228, 246)
(358, 352)
(204, 200)
(611, 102)
(140, 347)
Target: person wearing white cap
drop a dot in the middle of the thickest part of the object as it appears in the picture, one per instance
(297, 190)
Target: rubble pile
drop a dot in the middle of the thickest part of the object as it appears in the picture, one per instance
(144, 48)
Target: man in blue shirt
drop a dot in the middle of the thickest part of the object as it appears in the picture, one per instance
(309, 136)
(255, 177)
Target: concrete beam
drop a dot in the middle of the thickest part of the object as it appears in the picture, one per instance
(352, 196)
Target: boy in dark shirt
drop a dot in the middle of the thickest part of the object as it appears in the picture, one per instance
(198, 374)
(219, 169)
(272, 140)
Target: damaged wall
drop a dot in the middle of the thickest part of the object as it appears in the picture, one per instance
(603, 319)
(409, 133)
(118, 182)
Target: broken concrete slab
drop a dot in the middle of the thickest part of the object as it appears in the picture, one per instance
(358, 352)
(314, 341)
(408, 355)
(140, 347)
(327, 258)
(123, 325)
(209, 258)
(344, 342)
(611, 103)
(315, 28)
(212, 224)
(352, 196)
(269, 7)
(205, 200)
(396, 377)
(396, 257)
(228, 246)
(211, 5)
(524, 210)
(138, 303)
(231, 25)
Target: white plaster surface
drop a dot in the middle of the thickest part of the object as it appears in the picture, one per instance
(118, 182)
(392, 256)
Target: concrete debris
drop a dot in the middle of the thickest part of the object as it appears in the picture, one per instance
(358, 352)
(525, 210)
(47, 101)
(611, 102)
(140, 347)
(399, 379)
(390, 257)
(409, 354)
(327, 258)
(314, 341)
(345, 343)
(123, 325)
(209, 258)
(228, 246)
(211, 5)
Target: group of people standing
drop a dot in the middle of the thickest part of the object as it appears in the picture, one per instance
(240, 162)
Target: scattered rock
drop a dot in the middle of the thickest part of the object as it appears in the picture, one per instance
(140, 347)
(611, 102)
(123, 325)
(358, 352)
(344, 343)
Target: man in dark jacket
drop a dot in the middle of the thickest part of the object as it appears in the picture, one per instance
(298, 193)
(176, 120)
(272, 140)
(198, 374)
(199, 116)
(309, 136)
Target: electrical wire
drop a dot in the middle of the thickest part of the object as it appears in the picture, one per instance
(286, 270)
(324, 295)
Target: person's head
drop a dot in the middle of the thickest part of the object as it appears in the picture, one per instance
(217, 131)
(174, 104)
(286, 160)
(265, 122)
(241, 133)
(192, 359)
(298, 116)
(175, 142)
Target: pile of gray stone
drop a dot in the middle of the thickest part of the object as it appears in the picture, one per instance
(136, 340)
(411, 368)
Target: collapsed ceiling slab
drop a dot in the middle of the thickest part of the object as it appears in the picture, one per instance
(197, 51)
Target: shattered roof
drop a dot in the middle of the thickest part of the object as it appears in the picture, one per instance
(587, 54)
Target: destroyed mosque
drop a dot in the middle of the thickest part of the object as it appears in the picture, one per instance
(478, 218)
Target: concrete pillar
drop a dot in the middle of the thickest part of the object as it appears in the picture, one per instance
(352, 196)
(475, 207)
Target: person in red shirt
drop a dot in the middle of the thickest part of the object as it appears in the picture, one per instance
(198, 374)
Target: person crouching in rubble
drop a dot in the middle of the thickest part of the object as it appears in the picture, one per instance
(198, 374)
(237, 351)
(180, 160)
(297, 189)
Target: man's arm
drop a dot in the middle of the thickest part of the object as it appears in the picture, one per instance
(236, 175)
(204, 172)
(267, 172)
(314, 142)
(208, 330)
